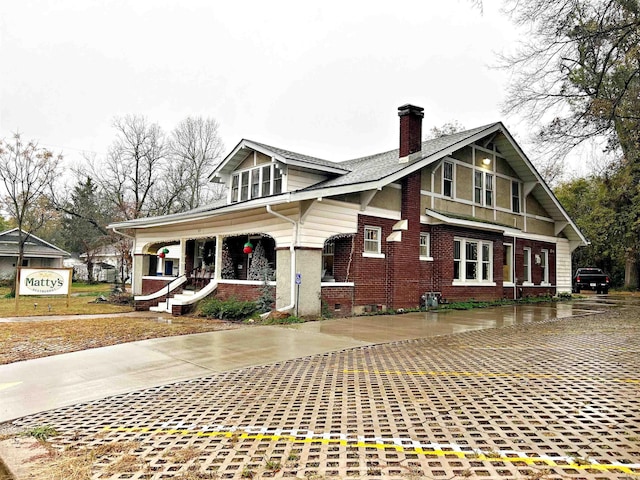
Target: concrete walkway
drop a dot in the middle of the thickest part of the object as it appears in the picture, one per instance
(43, 384)
(537, 399)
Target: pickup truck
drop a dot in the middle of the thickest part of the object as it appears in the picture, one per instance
(591, 279)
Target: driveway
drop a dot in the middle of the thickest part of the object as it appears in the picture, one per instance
(540, 398)
(42, 384)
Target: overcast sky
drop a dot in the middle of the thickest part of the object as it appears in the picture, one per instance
(321, 78)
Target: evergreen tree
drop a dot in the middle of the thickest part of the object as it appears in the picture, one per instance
(227, 270)
(83, 223)
(259, 269)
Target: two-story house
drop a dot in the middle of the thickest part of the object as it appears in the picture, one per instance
(463, 216)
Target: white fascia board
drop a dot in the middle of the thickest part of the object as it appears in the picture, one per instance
(507, 231)
(428, 160)
(188, 217)
(289, 161)
(472, 224)
(544, 185)
(241, 144)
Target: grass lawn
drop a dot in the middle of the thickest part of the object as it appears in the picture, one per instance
(26, 340)
(82, 301)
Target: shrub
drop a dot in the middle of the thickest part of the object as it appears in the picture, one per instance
(231, 309)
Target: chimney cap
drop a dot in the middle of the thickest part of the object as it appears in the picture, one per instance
(409, 109)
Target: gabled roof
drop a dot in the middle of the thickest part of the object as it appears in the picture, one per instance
(33, 247)
(245, 147)
(376, 171)
(374, 168)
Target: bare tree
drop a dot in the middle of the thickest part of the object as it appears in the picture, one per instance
(134, 164)
(447, 128)
(27, 173)
(577, 75)
(195, 149)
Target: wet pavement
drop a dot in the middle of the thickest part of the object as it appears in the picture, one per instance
(42, 384)
(553, 393)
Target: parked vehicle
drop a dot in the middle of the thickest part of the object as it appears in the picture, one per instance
(591, 279)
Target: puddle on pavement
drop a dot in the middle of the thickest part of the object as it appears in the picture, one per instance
(162, 320)
(387, 328)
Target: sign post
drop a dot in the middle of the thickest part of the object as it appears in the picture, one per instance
(298, 283)
(43, 281)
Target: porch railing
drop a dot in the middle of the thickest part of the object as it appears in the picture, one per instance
(198, 277)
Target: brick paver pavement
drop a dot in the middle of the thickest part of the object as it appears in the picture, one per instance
(557, 399)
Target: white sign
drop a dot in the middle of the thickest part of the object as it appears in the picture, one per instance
(44, 281)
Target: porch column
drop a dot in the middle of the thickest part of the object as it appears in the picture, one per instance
(139, 267)
(309, 265)
(183, 257)
(218, 262)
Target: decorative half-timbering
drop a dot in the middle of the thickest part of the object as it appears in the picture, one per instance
(457, 217)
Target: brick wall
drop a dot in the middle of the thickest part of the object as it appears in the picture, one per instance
(370, 274)
(247, 293)
(403, 289)
(343, 259)
(442, 238)
(536, 270)
(152, 285)
(338, 300)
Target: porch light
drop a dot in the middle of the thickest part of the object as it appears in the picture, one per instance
(486, 161)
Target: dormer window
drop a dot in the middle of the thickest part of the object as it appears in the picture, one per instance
(256, 182)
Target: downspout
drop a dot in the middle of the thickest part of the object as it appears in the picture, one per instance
(294, 235)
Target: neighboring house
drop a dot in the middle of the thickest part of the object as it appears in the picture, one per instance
(37, 253)
(109, 264)
(463, 216)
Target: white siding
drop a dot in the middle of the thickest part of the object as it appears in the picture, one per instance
(297, 180)
(326, 219)
(563, 266)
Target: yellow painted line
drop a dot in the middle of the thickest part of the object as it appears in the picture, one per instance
(490, 375)
(4, 386)
(567, 462)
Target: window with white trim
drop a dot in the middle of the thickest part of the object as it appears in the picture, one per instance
(483, 188)
(526, 263)
(256, 182)
(472, 261)
(244, 185)
(327, 259)
(372, 240)
(515, 196)
(544, 263)
(488, 189)
(507, 263)
(447, 179)
(425, 246)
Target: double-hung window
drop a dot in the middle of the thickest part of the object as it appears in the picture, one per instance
(507, 263)
(447, 179)
(515, 196)
(544, 263)
(526, 263)
(483, 188)
(372, 241)
(472, 261)
(256, 182)
(425, 246)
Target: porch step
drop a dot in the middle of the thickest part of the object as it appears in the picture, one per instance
(161, 307)
(187, 297)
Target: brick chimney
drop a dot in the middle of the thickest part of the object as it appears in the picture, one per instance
(410, 130)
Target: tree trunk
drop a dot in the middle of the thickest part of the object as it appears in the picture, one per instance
(631, 270)
(89, 269)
